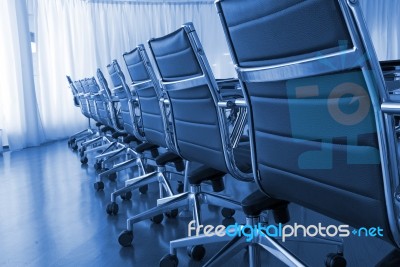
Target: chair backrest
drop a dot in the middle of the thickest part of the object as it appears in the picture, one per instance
(199, 125)
(101, 102)
(73, 90)
(147, 89)
(90, 99)
(113, 104)
(84, 104)
(126, 99)
(314, 88)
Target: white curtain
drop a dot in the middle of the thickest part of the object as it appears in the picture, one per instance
(383, 22)
(19, 117)
(76, 37)
(64, 47)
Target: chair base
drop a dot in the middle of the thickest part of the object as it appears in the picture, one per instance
(257, 242)
(191, 200)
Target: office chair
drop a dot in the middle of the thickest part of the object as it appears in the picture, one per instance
(133, 158)
(192, 96)
(83, 97)
(107, 114)
(105, 119)
(75, 138)
(202, 132)
(320, 118)
(146, 94)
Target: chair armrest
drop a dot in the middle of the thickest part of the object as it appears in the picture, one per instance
(239, 102)
(393, 86)
(392, 106)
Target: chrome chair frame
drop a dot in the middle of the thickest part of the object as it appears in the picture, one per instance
(384, 106)
(102, 143)
(132, 158)
(76, 137)
(162, 172)
(194, 197)
(83, 97)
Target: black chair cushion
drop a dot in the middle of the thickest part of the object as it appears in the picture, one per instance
(107, 129)
(145, 146)
(201, 173)
(118, 134)
(167, 157)
(257, 202)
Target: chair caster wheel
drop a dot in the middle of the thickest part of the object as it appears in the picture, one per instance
(125, 238)
(196, 252)
(97, 166)
(143, 189)
(157, 219)
(335, 260)
(84, 160)
(126, 196)
(82, 151)
(99, 186)
(112, 177)
(179, 188)
(172, 213)
(71, 142)
(169, 261)
(227, 213)
(74, 147)
(112, 208)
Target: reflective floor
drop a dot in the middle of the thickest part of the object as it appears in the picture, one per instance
(50, 215)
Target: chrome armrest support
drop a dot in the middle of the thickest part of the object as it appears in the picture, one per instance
(392, 105)
(391, 108)
(240, 102)
(165, 101)
(241, 120)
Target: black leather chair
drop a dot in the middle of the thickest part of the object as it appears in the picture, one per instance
(202, 132)
(83, 97)
(320, 117)
(104, 115)
(128, 146)
(107, 114)
(145, 94)
(77, 137)
(199, 128)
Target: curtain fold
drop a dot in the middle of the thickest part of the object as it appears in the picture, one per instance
(19, 117)
(74, 37)
(64, 47)
(383, 22)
